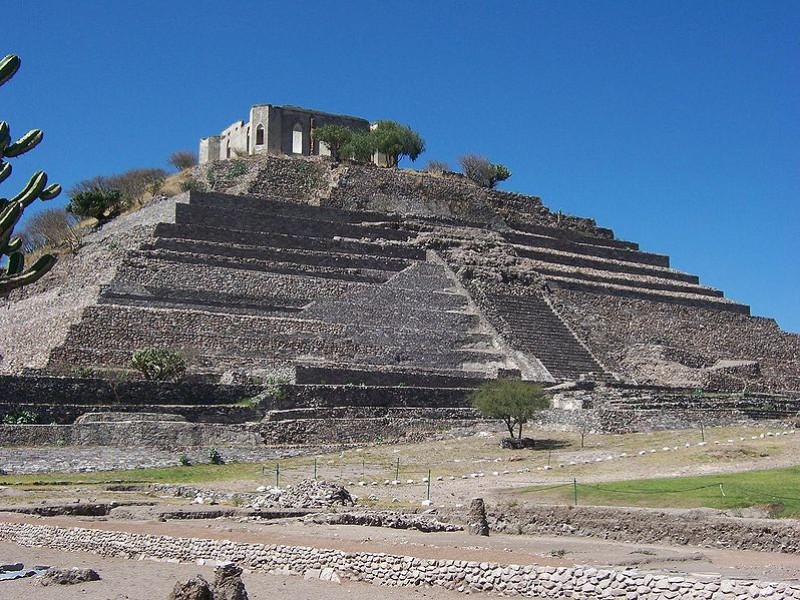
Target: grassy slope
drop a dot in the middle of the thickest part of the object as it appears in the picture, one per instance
(776, 489)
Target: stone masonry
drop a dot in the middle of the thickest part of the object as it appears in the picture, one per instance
(400, 571)
(328, 275)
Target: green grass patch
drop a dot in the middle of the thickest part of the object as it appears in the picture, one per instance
(191, 474)
(775, 490)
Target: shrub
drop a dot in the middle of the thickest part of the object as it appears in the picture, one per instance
(273, 388)
(481, 171)
(237, 169)
(183, 159)
(214, 457)
(98, 203)
(159, 364)
(184, 460)
(23, 417)
(136, 183)
(193, 185)
(52, 227)
(437, 166)
(131, 185)
(511, 400)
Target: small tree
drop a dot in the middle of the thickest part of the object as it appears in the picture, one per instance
(395, 141)
(98, 204)
(511, 400)
(135, 183)
(437, 166)
(183, 159)
(51, 227)
(336, 137)
(159, 364)
(481, 171)
(360, 148)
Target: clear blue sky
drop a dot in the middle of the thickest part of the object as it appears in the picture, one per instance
(675, 123)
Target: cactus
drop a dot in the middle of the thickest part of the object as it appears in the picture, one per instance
(14, 274)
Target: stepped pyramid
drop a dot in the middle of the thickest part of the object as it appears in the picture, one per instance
(354, 274)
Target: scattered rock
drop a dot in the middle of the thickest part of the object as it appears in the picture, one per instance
(309, 493)
(56, 576)
(517, 443)
(390, 519)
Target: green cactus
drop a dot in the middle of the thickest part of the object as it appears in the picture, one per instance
(14, 274)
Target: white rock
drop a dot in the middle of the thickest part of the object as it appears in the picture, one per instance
(328, 574)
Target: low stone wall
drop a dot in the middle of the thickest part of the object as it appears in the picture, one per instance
(359, 431)
(97, 392)
(65, 414)
(701, 527)
(332, 375)
(395, 570)
(142, 434)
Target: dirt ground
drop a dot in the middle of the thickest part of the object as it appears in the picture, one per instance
(504, 549)
(469, 467)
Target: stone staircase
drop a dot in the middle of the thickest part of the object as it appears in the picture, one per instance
(535, 328)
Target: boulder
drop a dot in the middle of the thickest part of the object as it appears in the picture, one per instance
(228, 583)
(517, 443)
(56, 576)
(476, 519)
(195, 588)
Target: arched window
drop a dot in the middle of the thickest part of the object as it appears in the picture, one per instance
(297, 139)
(260, 135)
(228, 149)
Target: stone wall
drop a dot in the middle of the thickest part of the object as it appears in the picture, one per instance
(396, 570)
(165, 435)
(44, 390)
(619, 408)
(333, 375)
(701, 527)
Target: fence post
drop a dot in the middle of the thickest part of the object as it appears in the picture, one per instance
(315, 469)
(575, 491)
(277, 475)
(429, 484)
(397, 470)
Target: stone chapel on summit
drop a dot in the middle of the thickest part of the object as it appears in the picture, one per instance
(275, 130)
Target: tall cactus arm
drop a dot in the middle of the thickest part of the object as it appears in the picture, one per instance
(32, 189)
(5, 170)
(8, 66)
(16, 264)
(15, 274)
(24, 144)
(5, 135)
(39, 268)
